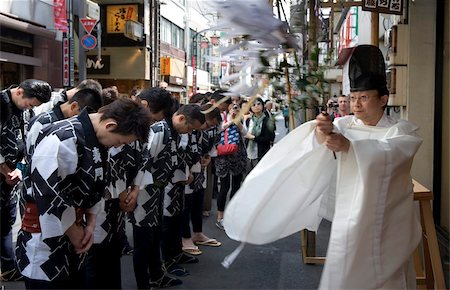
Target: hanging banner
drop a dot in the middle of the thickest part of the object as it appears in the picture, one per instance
(383, 6)
(60, 15)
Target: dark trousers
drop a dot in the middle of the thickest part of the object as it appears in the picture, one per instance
(225, 187)
(8, 217)
(211, 185)
(41, 284)
(192, 212)
(171, 244)
(147, 255)
(103, 270)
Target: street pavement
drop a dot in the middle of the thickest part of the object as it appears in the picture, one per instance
(277, 265)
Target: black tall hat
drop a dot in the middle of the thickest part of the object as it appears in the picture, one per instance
(367, 70)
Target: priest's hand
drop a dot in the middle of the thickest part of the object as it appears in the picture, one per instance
(337, 142)
(324, 126)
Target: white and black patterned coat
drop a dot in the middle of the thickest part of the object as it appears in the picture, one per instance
(66, 172)
(163, 160)
(11, 141)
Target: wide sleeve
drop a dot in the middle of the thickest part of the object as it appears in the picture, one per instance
(282, 194)
(374, 214)
(53, 160)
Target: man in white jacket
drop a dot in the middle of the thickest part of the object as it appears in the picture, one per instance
(367, 191)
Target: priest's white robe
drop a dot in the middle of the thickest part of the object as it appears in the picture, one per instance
(367, 192)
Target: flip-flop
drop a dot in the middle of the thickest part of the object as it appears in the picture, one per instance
(209, 242)
(195, 251)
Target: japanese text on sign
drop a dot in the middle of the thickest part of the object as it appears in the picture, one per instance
(117, 15)
(383, 6)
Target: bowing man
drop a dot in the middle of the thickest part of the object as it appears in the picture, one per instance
(67, 180)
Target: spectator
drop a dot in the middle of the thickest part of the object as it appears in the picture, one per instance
(259, 134)
(230, 168)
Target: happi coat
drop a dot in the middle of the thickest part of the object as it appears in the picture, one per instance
(162, 160)
(11, 143)
(66, 175)
(367, 193)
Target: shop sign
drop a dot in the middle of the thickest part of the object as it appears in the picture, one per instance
(165, 66)
(117, 15)
(383, 6)
(96, 66)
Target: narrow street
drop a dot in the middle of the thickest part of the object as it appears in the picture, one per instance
(277, 265)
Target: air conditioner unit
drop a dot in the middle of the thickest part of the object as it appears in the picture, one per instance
(92, 10)
(134, 30)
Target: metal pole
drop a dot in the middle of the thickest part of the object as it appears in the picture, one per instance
(81, 33)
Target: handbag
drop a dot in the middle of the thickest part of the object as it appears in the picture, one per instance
(229, 140)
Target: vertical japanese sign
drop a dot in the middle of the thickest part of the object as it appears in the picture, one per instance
(66, 62)
(60, 15)
(117, 15)
(383, 6)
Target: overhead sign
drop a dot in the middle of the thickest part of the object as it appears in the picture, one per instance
(88, 24)
(383, 6)
(96, 66)
(117, 15)
(89, 41)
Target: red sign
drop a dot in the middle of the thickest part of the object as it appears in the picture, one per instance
(88, 24)
(88, 41)
(60, 16)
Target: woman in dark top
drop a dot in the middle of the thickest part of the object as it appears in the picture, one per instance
(260, 132)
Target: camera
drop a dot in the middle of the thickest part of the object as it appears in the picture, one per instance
(333, 104)
(235, 107)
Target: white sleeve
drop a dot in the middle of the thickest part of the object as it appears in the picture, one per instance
(53, 155)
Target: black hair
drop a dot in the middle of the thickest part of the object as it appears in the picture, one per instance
(214, 114)
(38, 89)
(158, 99)
(90, 84)
(89, 99)
(197, 98)
(192, 112)
(219, 94)
(109, 95)
(131, 117)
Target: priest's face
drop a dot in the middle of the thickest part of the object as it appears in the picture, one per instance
(368, 106)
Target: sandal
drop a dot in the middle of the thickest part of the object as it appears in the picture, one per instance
(195, 251)
(209, 242)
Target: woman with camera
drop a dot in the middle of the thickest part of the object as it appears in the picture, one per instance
(230, 168)
(259, 135)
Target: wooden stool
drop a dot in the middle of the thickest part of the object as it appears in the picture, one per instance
(428, 267)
